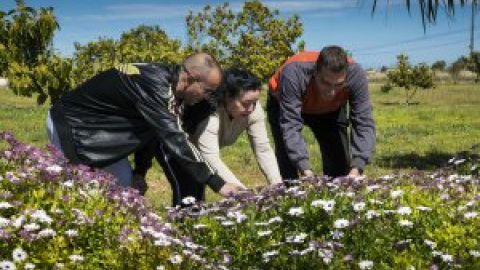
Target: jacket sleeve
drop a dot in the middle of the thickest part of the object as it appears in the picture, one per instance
(143, 158)
(257, 133)
(169, 135)
(206, 138)
(362, 135)
(290, 119)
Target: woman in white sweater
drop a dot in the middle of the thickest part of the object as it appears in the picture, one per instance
(238, 110)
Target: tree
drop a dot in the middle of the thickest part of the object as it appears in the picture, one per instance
(149, 44)
(474, 64)
(410, 78)
(254, 38)
(30, 61)
(439, 65)
(140, 44)
(28, 33)
(429, 8)
(94, 57)
(460, 64)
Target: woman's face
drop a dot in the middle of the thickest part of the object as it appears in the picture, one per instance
(244, 104)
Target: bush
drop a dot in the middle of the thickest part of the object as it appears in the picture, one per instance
(54, 215)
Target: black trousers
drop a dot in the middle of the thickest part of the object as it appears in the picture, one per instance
(182, 183)
(330, 131)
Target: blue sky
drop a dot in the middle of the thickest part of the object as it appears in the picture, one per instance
(373, 41)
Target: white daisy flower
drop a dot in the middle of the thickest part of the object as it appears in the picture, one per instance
(7, 265)
(31, 227)
(341, 223)
(447, 257)
(365, 265)
(76, 258)
(47, 233)
(296, 211)
(19, 255)
(4, 222)
(264, 233)
(71, 233)
(475, 253)
(199, 226)
(357, 207)
(371, 214)
(431, 244)
(176, 259)
(470, 215)
(189, 200)
(275, 220)
(5, 205)
(396, 193)
(405, 223)
(404, 210)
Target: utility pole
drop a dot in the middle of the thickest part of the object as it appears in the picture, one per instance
(472, 30)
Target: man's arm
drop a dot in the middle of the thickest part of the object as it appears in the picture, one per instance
(362, 135)
(169, 135)
(291, 121)
(142, 163)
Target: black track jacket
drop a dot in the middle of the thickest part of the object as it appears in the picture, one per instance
(121, 110)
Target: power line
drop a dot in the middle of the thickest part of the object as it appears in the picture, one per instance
(412, 40)
(413, 49)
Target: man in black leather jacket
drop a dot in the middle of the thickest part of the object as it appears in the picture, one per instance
(124, 109)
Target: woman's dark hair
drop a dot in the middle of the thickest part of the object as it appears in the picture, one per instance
(235, 82)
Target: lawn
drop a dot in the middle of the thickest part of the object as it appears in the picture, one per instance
(442, 122)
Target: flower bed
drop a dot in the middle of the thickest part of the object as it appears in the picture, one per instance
(54, 215)
(57, 216)
(416, 221)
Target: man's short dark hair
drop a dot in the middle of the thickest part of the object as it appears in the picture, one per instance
(333, 58)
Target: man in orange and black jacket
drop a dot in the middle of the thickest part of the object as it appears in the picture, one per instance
(316, 90)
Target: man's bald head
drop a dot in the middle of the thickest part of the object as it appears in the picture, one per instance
(200, 76)
(200, 65)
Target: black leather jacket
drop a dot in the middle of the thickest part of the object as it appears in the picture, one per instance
(124, 109)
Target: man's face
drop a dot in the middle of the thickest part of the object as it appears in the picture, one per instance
(330, 83)
(198, 89)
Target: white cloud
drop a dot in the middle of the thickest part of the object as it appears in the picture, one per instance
(165, 11)
(324, 5)
(139, 11)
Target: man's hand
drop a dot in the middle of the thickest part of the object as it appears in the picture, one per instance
(139, 183)
(306, 174)
(231, 188)
(354, 172)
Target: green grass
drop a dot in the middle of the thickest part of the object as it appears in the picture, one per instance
(444, 121)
